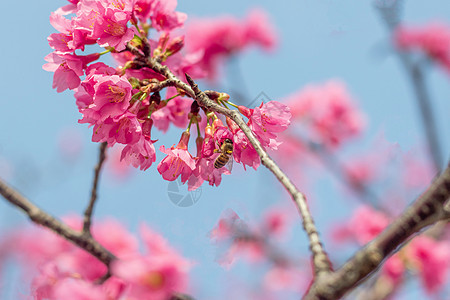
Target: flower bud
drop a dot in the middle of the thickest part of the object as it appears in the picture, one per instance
(174, 46)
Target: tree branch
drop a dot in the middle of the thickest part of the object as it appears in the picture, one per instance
(40, 217)
(90, 207)
(428, 209)
(389, 14)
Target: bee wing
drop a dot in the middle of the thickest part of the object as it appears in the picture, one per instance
(229, 164)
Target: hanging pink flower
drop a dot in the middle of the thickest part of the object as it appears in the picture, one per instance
(178, 161)
(141, 154)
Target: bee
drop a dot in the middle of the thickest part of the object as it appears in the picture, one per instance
(226, 151)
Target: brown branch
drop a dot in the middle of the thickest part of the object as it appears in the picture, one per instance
(40, 217)
(414, 70)
(90, 207)
(428, 209)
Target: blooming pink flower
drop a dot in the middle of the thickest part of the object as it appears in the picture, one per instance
(106, 22)
(68, 68)
(124, 129)
(178, 161)
(433, 39)
(432, 258)
(327, 114)
(267, 120)
(140, 154)
(111, 95)
(164, 17)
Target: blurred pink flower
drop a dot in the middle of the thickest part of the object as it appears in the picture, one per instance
(432, 258)
(326, 114)
(432, 38)
(155, 275)
(365, 224)
(393, 269)
(178, 161)
(221, 37)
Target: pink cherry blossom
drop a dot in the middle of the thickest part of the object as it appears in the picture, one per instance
(259, 30)
(111, 95)
(164, 17)
(433, 39)
(220, 37)
(106, 22)
(68, 68)
(327, 114)
(124, 129)
(140, 154)
(267, 120)
(244, 152)
(178, 161)
(155, 275)
(365, 224)
(432, 258)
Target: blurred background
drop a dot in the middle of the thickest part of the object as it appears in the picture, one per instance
(50, 158)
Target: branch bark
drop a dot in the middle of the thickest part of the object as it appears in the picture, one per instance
(90, 207)
(430, 208)
(41, 217)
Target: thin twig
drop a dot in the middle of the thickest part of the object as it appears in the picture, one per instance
(415, 73)
(41, 217)
(428, 209)
(90, 207)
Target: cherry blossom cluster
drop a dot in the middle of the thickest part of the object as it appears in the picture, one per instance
(68, 272)
(124, 103)
(424, 255)
(432, 39)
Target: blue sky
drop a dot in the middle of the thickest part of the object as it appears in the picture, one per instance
(319, 40)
